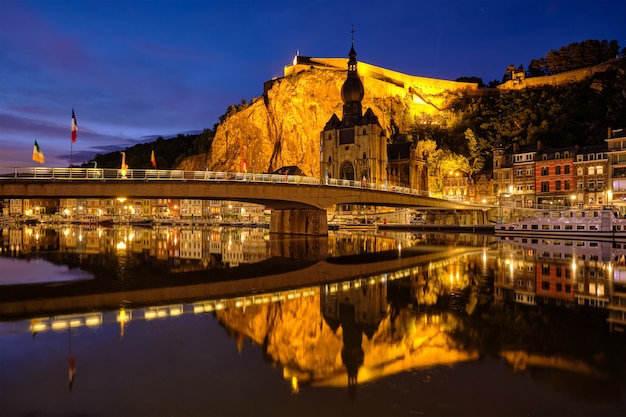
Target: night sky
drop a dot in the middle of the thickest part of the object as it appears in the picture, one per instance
(135, 70)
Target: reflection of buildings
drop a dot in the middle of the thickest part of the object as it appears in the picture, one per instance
(563, 272)
(414, 319)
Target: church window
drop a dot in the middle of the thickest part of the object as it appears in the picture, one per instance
(347, 171)
(364, 131)
(330, 159)
(364, 155)
(330, 136)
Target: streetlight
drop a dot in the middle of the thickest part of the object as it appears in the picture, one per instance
(573, 198)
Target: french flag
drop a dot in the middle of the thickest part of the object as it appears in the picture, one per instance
(74, 127)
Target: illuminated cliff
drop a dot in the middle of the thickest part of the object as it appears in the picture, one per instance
(282, 128)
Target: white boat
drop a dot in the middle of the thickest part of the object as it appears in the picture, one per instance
(89, 219)
(6, 221)
(358, 226)
(604, 223)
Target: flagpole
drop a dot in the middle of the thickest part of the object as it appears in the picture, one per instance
(71, 143)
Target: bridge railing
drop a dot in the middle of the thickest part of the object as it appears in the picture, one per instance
(113, 174)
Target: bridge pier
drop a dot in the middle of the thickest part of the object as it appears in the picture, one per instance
(311, 222)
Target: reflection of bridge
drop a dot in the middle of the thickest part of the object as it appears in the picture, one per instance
(18, 302)
(299, 203)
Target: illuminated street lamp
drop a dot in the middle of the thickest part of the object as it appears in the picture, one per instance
(573, 199)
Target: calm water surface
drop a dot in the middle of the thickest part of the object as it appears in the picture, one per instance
(234, 322)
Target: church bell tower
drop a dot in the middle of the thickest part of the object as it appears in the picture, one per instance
(355, 147)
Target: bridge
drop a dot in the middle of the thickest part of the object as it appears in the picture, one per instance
(298, 203)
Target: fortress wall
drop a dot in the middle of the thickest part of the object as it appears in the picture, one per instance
(429, 86)
(563, 78)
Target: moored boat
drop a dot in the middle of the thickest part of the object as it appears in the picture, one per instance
(89, 219)
(358, 226)
(604, 223)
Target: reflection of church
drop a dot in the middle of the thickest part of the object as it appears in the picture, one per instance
(357, 311)
(356, 148)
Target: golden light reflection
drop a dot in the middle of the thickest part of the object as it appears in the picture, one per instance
(294, 385)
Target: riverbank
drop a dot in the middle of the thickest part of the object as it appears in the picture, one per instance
(480, 228)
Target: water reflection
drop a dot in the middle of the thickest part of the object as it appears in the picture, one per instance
(351, 309)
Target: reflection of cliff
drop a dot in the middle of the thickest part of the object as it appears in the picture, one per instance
(295, 334)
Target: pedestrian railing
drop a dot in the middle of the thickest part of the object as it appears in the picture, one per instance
(112, 174)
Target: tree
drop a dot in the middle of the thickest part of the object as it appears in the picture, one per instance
(442, 161)
(477, 148)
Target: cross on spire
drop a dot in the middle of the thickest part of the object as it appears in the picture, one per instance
(352, 32)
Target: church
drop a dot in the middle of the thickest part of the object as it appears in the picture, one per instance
(356, 147)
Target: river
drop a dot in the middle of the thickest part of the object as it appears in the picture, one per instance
(184, 321)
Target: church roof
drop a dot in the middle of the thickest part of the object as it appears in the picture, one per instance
(332, 123)
(399, 151)
(369, 118)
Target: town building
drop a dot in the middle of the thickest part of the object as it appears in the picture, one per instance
(616, 141)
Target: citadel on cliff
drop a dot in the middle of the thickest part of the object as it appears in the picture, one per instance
(296, 123)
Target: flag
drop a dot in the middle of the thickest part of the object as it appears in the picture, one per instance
(37, 154)
(153, 159)
(74, 127)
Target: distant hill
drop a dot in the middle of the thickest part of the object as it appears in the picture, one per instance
(168, 152)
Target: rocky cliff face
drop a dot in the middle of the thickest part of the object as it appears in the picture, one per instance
(283, 127)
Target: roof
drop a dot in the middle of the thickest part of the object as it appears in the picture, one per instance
(398, 151)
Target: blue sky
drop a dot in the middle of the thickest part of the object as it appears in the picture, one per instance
(136, 69)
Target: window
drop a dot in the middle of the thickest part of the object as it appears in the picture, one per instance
(557, 155)
(544, 171)
(529, 172)
(520, 172)
(566, 154)
(558, 185)
(545, 187)
(579, 158)
(580, 184)
(579, 171)
(529, 187)
(567, 185)
(558, 170)
(591, 170)
(592, 184)
(544, 157)
(545, 285)
(566, 168)
(599, 170)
